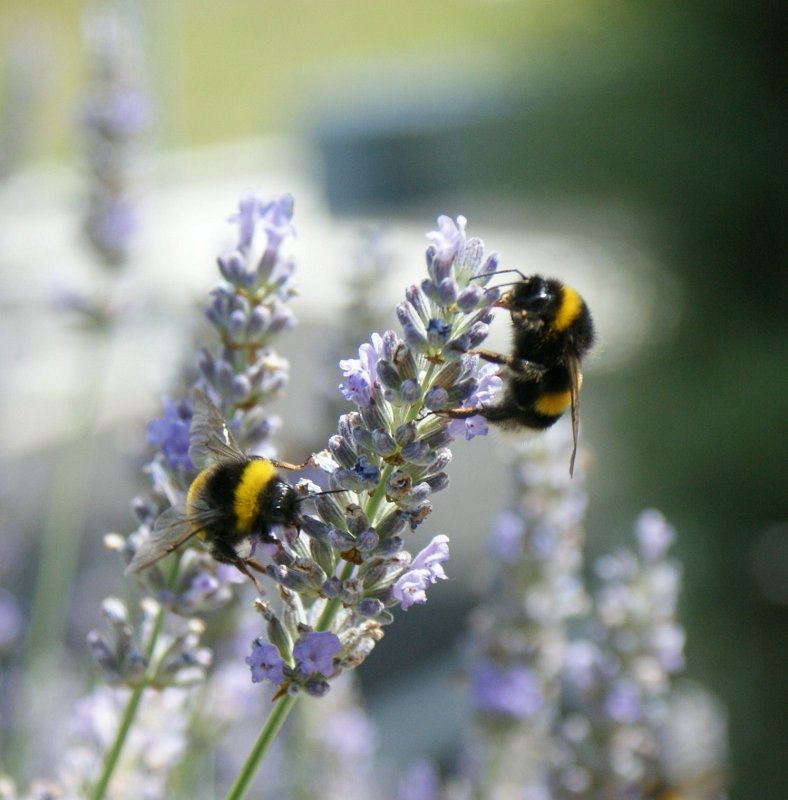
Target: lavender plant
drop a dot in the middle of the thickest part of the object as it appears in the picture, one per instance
(338, 576)
(620, 693)
(116, 111)
(342, 572)
(572, 698)
(243, 374)
(520, 633)
(574, 692)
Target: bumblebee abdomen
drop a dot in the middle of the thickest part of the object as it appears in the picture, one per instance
(197, 487)
(511, 415)
(196, 498)
(553, 404)
(230, 501)
(213, 504)
(532, 403)
(256, 478)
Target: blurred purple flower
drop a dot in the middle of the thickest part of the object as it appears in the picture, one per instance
(421, 781)
(512, 691)
(622, 703)
(654, 534)
(667, 643)
(170, 433)
(10, 618)
(580, 663)
(275, 216)
(349, 734)
(116, 110)
(506, 538)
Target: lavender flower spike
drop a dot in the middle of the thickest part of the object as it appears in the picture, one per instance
(116, 111)
(519, 635)
(348, 567)
(242, 373)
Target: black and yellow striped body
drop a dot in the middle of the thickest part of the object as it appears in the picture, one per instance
(552, 330)
(532, 403)
(231, 501)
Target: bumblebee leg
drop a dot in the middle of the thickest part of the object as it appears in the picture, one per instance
(462, 413)
(489, 355)
(241, 566)
(225, 554)
(493, 413)
(310, 462)
(519, 366)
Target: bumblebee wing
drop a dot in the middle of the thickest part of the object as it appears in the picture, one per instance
(575, 379)
(210, 439)
(170, 530)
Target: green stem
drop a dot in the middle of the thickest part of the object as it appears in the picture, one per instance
(495, 751)
(281, 709)
(267, 735)
(371, 508)
(285, 704)
(113, 754)
(332, 606)
(130, 712)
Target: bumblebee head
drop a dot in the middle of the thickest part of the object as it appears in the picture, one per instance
(534, 297)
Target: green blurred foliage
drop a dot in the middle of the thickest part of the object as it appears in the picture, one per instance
(233, 69)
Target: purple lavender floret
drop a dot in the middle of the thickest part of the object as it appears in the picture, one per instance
(361, 373)
(488, 388)
(170, 434)
(426, 568)
(315, 653)
(265, 663)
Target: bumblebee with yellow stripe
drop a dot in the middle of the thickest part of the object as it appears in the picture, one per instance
(552, 331)
(233, 498)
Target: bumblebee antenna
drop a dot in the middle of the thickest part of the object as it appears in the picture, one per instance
(500, 272)
(318, 494)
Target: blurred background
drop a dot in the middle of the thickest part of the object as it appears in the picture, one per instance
(635, 150)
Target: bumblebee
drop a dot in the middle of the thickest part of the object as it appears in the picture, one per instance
(233, 497)
(552, 330)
